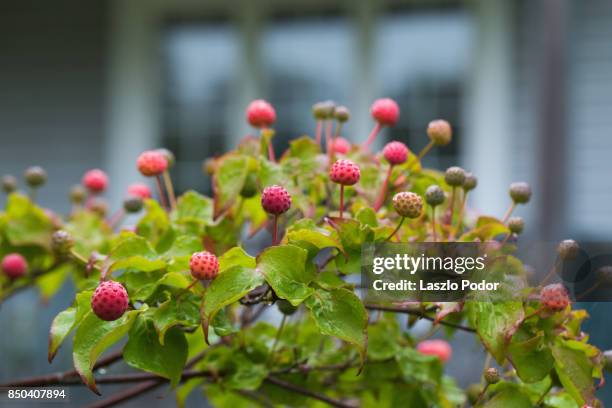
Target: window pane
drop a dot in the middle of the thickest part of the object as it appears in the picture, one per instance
(305, 60)
(200, 76)
(421, 61)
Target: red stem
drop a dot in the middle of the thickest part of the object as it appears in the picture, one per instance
(275, 233)
(341, 200)
(383, 191)
(318, 132)
(160, 191)
(372, 136)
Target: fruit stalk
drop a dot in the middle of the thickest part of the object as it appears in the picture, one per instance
(169, 189)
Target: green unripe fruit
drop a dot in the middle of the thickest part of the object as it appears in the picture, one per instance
(568, 249)
(491, 375)
(408, 204)
(342, 114)
(323, 110)
(9, 184)
(520, 192)
(249, 189)
(61, 242)
(434, 195)
(132, 204)
(516, 225)
(77, 194)
(35, 176)
(440, 132)
(470, 182)
(285, 307)
(454, 176)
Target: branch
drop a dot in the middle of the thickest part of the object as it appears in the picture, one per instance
(421, 315)
(63, 377)
(296, 388)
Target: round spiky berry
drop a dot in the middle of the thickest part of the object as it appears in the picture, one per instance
(110, 300)
(260, 114)
(344, 172)
(408, 204)
(9, 184)
(385, 111)
(61, 242)
(434, 195)
(491, 375)
(568, 249)
(438, 348)
(169, 156)
(35, 176)
(341, 145)
(554, 297)
(139, 190)
(520, 192)
(323, 110)
(275, 200)
(440, 132)
(204, 265)
(454, 176)
(342, 114)
(470, 182)
(395, 153)
(516, 225)
(285, 307)
(14, 265)
(152, 163)
(77, 194)
(95, 180)
(132, 204)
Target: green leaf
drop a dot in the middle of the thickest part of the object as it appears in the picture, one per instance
(66, 321)
(383, 338)
(510, 396)
(193, 211)
(419, 367)
(90, 232)
(320, 239)
(183, 312)
(575, 370)
(26, 224)
(228, 287)
(284, 268)
(144, 352)
(236, 257)
(92, 338)
(486, 229)
(530, 357)
(245, 374)
(134, 252)
(179, 254)
(154, 225)
(229, 180)
(493, 322)
(340, 313)
(51, 282)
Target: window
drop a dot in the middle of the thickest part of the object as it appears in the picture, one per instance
(200, 84)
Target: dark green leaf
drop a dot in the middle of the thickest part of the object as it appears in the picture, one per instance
(285, 271)
(144, 351)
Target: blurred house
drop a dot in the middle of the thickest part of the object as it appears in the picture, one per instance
(526, 84)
